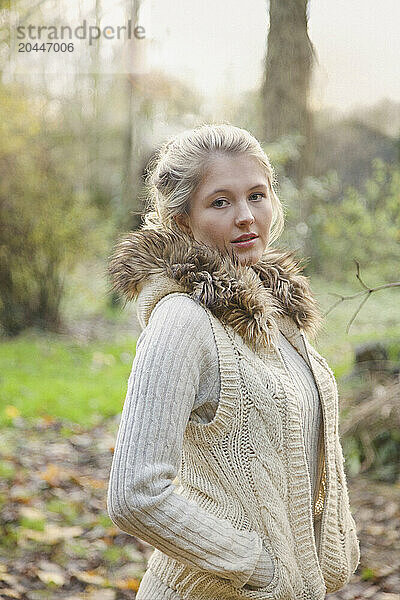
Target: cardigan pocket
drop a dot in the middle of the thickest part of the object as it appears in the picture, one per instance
(347, 523)
(352, 542)
(348, 531)
(283, 584)
(253, 586)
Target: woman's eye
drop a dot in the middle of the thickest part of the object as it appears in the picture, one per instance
(218, 200)
(258, 194)
(254, 196)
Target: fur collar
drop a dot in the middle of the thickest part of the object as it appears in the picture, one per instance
(249, 299)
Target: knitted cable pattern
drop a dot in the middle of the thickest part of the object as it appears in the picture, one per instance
(248, 466)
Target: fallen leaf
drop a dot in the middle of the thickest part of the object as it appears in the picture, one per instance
(53, 474)
(128, 584)
(30, 512)
(11, 411)
(85, 481)
(8, 578)
(51, 577)
(101, 595)
(89, 577)
(52, 533)
(9, 593)
(47, 419)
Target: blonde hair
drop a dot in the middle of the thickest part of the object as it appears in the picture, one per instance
(178, 166)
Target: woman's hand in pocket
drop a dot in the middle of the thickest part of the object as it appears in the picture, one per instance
(263, 572)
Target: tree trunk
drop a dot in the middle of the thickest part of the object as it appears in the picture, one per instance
(131, 166)
(285, 90)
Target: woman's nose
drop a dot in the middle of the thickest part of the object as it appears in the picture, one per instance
(244, 215)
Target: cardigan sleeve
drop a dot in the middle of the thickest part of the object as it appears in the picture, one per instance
(142, 498)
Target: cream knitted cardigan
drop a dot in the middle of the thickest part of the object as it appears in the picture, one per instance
(247, 468)
(175, 377)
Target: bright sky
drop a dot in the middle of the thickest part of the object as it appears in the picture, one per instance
(220, 45)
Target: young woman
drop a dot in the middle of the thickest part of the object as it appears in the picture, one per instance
(228, 458)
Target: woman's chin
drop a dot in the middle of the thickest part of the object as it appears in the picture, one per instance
(249, 259)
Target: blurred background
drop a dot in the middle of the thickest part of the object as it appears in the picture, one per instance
(318, 83)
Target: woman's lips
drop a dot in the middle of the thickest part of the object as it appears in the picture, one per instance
(245, 243)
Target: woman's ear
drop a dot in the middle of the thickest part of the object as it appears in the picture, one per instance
(182, 221)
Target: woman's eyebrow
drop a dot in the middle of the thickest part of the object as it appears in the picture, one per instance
(216, 192)
(258, 186)
(219, 191)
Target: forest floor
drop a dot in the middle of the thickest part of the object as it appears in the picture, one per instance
(57, 541)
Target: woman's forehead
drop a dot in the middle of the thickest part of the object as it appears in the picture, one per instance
(232, 172)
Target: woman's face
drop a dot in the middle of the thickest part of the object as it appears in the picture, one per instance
(233, 199)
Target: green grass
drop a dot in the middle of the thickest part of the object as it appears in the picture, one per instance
(50, 375)
(42, 374)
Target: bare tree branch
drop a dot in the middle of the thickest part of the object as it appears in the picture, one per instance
(366, 292)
